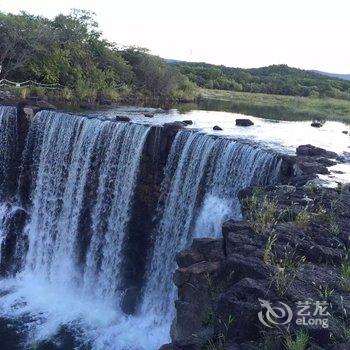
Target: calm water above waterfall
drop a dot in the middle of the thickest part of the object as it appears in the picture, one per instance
(64, 228)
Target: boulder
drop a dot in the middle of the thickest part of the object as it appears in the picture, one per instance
(122, 118)
(313, 151)
(217, 128)
(174, 127)
(149, 115)
(316, 124)
(188, 122)
(30, 108)
(244, 122)
(345, 132)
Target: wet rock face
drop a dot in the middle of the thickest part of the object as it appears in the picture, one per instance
(14, 241)
(29, 108)
(312, 151)
(220, 281)
(308, 162)
(316, 124)
(122, 118)
(244, 122)
(141, 225)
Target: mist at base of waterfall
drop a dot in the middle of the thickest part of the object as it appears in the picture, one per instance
(42, 310)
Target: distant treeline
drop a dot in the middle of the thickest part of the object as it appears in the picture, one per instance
(69, 50)
(276, 79)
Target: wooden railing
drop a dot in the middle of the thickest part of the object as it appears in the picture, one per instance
(28, 83)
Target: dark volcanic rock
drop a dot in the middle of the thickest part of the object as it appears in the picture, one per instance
(122, 118)
(217, 128)
(316, 124)
(312, 151)
(14, 241)
(221, 282)
(139, 231)
(244, 122)
(30, 108)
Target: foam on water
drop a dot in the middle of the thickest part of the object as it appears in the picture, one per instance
(84, 173)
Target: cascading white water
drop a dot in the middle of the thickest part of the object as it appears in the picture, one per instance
(8, 144)
(202, 179)
(83, 191)
(84, 173)
(73, 151)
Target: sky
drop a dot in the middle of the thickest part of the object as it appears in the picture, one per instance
(308, 34)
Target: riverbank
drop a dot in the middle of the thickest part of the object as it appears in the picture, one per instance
(277, 106)
(67, 100)
(261, 285)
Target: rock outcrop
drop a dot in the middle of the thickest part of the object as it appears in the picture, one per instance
(316, 124)
(244, 122)
(141, 224)
(122, 118)
(291, 247)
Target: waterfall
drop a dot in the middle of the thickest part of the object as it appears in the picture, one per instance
(202, 178)
(62, 236)
(84, 187)
(8, 149)
(84, 173)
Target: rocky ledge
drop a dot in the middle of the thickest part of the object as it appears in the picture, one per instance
(279, 279)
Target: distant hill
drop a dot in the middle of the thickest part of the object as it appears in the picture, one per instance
(275, 79)
(333, 75)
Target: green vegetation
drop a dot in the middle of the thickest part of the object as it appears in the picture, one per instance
(277, 106)
(268, 251)
(69, 50)
(345, 274)
(324, 291)
(219, 341)
(276, 79)
(287, 266)
(303, 218)
(262, 213)
(300, 341)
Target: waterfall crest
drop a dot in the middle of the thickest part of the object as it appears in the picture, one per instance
(202, 179)
(84, 186)
(62, 236)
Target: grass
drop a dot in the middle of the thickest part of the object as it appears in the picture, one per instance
(300, 341)
(277, 107)
(345, 275)
(303, 218)
(268, 251)
(262, 213)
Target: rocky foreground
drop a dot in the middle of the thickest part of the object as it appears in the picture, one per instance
(279, 279)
